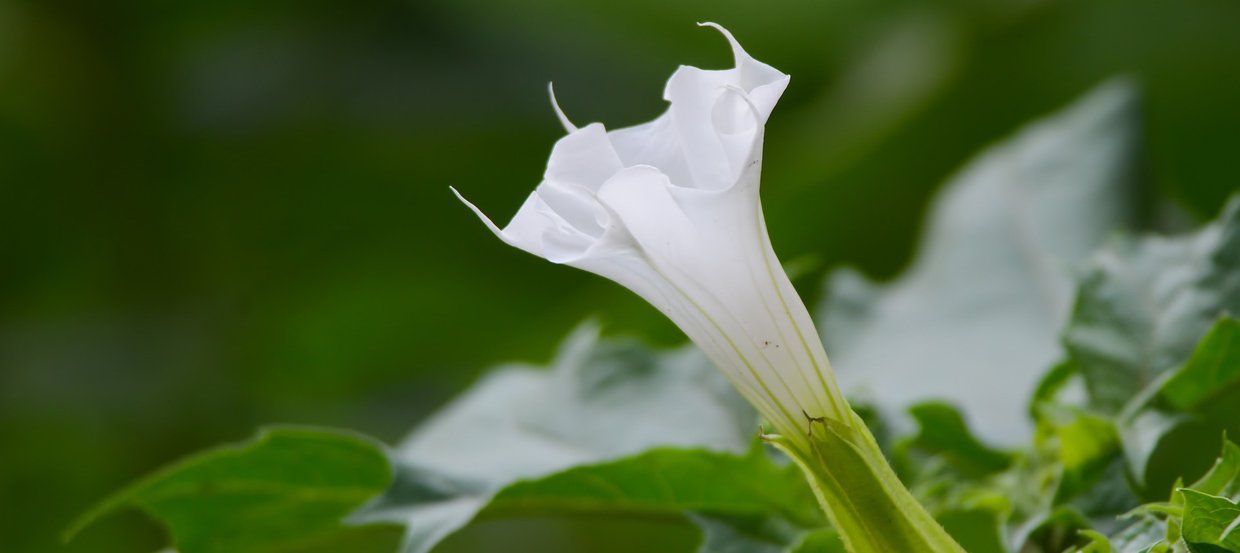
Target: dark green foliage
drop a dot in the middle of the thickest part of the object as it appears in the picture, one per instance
(287, 489)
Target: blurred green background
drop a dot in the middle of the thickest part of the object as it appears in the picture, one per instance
(223, 214)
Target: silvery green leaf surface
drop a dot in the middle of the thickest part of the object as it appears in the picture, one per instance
(992, 283)
(598, 401)
(1146, 302)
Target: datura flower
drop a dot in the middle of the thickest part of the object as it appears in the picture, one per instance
(670, 210)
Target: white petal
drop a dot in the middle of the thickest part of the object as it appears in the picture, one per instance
(763, 83)
(562, 220)
(538, 229)
(656, 144)
(559, 113)
(707, 134)
(585, 157)
(712, 248)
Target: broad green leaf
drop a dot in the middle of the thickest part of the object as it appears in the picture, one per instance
(599, 401)
(668, 482)
(1144, 305)
(976, 318)
(742, 504)
(284, 490)
(1211, 523)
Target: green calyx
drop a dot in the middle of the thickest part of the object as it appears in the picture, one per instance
(861, 495)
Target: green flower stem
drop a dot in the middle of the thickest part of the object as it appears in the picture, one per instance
(861, 495)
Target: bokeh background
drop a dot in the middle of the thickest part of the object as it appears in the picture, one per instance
(218, 215)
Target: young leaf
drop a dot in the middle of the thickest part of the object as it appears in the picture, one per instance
(1088, 450)
(1211, 523)
(1098, 543)
(987, 295)
(286, 488)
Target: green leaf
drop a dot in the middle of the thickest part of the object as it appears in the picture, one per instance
(745, 534)
(668, 482)
(1210, 381)
(1224, 477)
(976, 530)
(1141, 536)
(599, 401)
(820, 541)
(942, 431)
(1098, 543)
(285, 489)
(1168, 427)
(1172, 446)
(1085, 441)
(1211, 523)
(1087, 445)
(1145, 304)
(1051, 384)
(1054, 530)
(762, 507)
(1157, 525)
(976, 319)
(1149, 334)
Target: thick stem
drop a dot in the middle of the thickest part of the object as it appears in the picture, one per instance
(864, 500)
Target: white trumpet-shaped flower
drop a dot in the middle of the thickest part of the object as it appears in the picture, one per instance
(670, 210)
